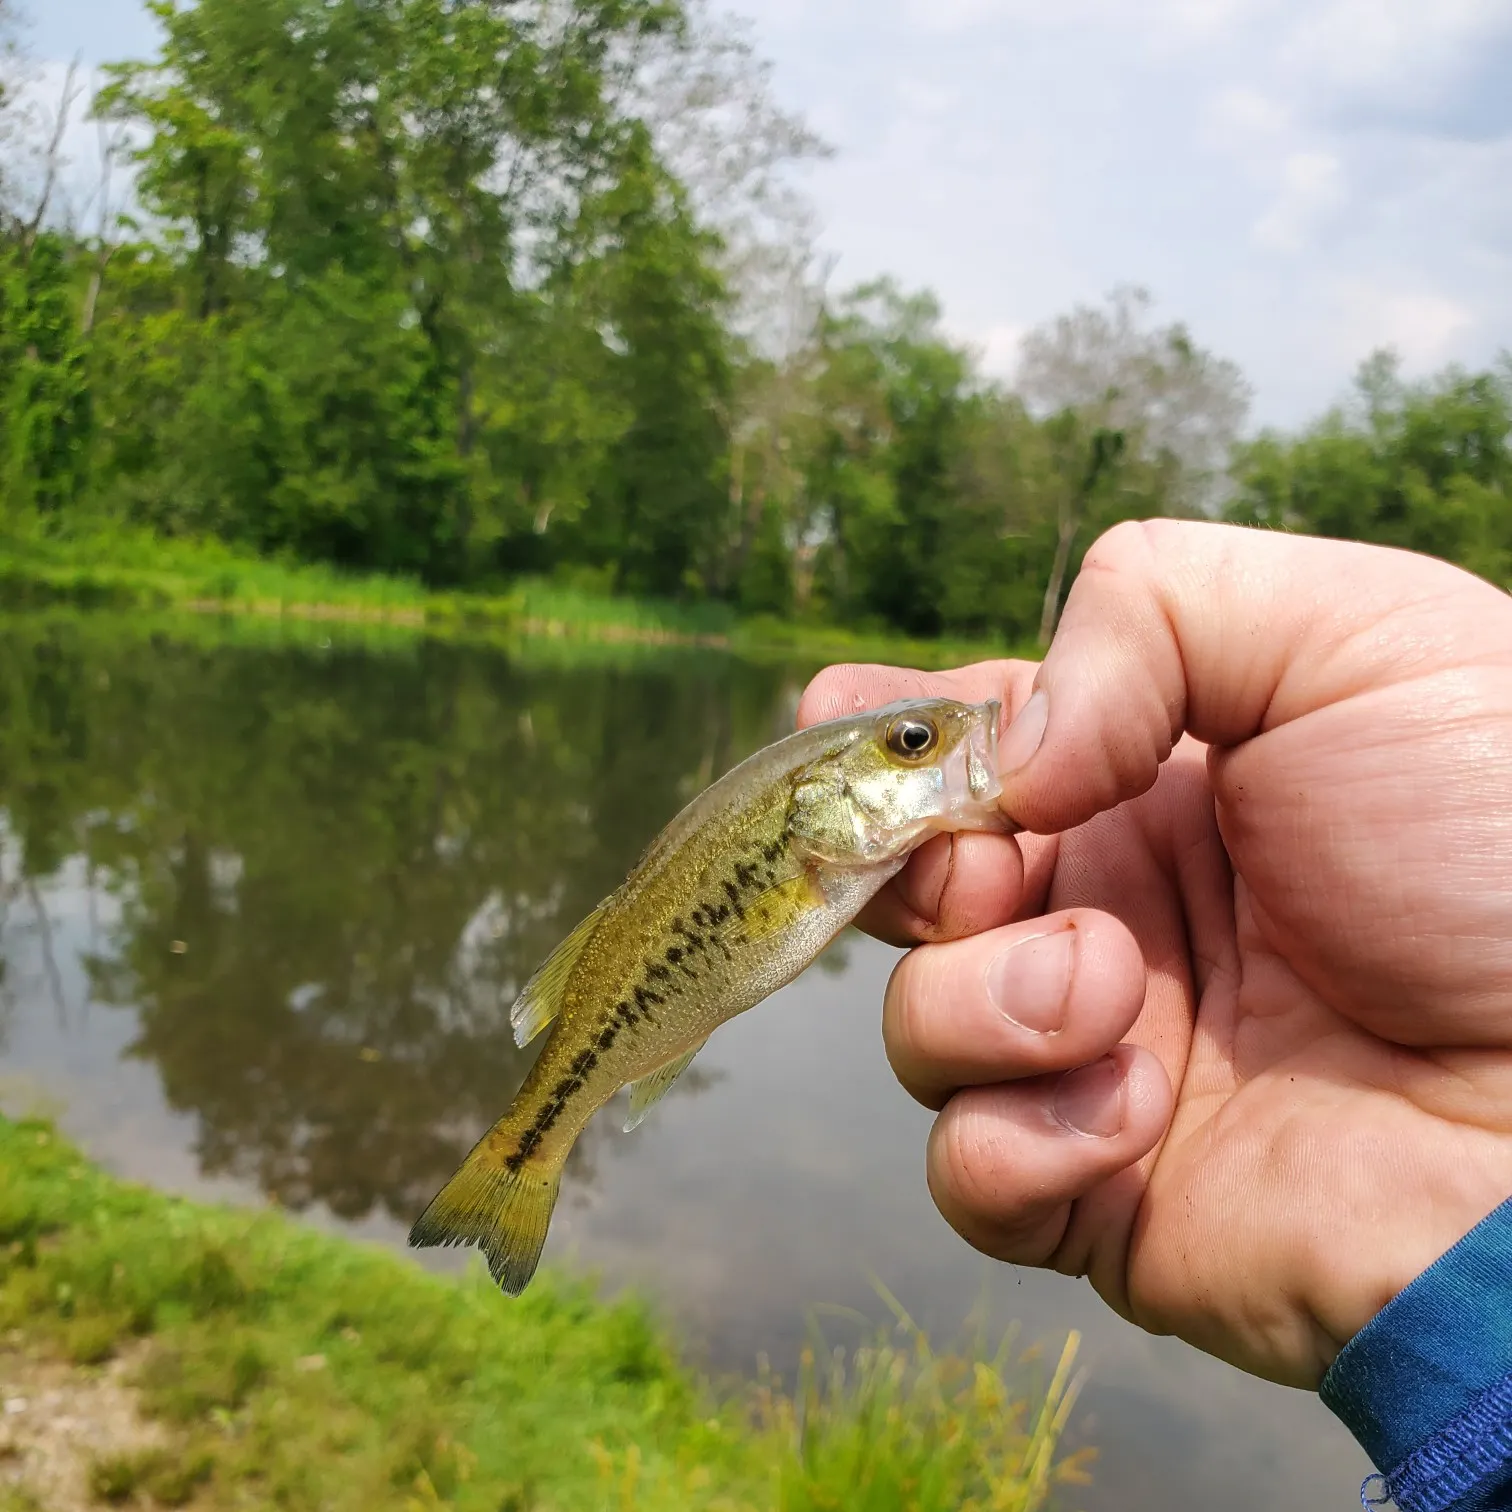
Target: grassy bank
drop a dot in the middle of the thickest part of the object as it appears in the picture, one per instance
(241, 1359)
(142, 572)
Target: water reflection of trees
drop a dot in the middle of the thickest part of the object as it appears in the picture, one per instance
(334, 867)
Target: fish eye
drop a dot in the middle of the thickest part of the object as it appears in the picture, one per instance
(912, 738)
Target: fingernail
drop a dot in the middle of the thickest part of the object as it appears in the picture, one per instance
(1022, 738)
(1091, 1100)
(1031, 980)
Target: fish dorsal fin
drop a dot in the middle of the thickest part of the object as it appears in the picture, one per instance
(540, 999)
(649, 1090)
(771, 912)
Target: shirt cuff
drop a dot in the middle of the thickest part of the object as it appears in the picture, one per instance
(1426, 1385)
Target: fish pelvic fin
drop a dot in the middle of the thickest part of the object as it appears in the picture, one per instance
(649, 1090)
(540, 999)
(504, 1211)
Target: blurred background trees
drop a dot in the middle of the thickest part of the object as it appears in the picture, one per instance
(465, 290)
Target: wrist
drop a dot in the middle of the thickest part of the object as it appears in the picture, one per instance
(1426, 1386)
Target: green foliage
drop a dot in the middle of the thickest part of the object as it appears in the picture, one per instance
(44, 392)
(420, 287)
(1426, 467)
(433, 289)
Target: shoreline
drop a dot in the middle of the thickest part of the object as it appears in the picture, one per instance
(144, 574)
(214, 1356)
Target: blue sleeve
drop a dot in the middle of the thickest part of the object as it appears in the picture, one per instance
(1426, 1385)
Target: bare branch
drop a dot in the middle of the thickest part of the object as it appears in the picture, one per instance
(1168, 396)
(110, 144)
(52, 162)
(706, 94)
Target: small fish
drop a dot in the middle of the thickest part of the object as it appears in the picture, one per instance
(738, 894)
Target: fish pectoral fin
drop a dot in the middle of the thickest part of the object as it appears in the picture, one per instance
(540, 999)
(771, 912)
(649, 1090)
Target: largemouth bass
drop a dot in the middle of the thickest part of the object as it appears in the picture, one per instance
(740, 892)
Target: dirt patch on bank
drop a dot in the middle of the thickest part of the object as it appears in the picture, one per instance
(57, 1421)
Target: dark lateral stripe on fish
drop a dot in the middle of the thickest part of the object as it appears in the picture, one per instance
(530, 1140)
(710, 916)
(550, 1111)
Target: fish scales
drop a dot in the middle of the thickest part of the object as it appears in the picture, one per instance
(732, 900)
(671, 924)
(656, 976)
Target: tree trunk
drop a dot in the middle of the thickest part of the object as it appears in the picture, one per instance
(51, 162)
(96, 285)
(747, 505)
(1064, 539)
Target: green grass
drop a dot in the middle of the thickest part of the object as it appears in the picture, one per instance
(944, 1430)
(289, 1368)
(136, 569)
(165, 1478)
(139, 571)
(767, 636)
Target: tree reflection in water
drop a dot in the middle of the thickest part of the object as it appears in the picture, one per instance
(334, 866)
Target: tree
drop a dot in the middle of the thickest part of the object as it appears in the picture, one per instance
(706, 95)
(1082, 460)
(10, 85)
(1424, 466)
(45, 406)
(660, 517)
(1169, 402)
(465, 173)
(474, 289)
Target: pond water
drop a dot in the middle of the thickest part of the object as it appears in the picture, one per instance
(265, 901)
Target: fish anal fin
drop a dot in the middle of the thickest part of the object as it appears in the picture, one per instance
(778, 908)
(649, 1090)
(540, 999)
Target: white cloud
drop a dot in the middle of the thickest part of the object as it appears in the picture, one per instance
(1389, 42)
(1206, 17)
(1312, 183)
(923, 98)
(1423, 326)
(1246, 121)
(1160, 21)
(997, 348)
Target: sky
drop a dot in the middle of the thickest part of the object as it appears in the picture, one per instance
(1300, 182)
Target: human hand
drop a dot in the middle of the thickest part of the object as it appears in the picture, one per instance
(1230, 1032)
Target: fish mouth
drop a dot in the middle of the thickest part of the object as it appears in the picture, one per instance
(981, 752)
(971, 780)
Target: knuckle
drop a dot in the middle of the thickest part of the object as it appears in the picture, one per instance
(1142, 549)
(1129, 546)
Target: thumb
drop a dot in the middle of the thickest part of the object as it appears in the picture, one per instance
(1221, 632)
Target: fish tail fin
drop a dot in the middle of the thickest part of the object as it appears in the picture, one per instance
(504, 1211)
